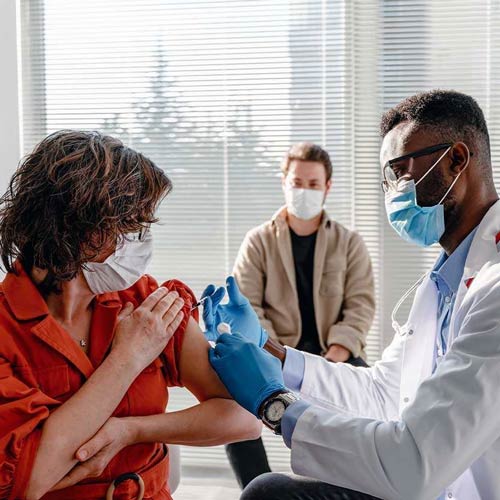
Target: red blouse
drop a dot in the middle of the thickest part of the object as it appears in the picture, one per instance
(41, 367)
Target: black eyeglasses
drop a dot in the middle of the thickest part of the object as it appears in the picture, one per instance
(391, 179)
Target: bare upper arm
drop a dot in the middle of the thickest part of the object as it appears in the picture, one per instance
(197, 375)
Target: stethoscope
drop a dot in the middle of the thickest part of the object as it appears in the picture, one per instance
(397, 327)
(402, 332)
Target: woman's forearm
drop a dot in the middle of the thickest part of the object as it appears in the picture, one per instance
(73, 424)
(210, 423)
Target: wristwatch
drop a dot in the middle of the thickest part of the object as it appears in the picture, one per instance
(273, 408)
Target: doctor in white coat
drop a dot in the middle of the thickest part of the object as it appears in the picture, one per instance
(424, 422)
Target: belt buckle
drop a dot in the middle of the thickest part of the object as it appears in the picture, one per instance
(124, 477)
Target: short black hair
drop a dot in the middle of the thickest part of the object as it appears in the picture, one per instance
(451, 115)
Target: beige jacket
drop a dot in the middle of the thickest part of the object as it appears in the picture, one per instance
(344, 302)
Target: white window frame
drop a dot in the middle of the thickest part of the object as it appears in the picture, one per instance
(10, 126)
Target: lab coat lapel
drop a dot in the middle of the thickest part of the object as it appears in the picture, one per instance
(420, 333)
(421, 328)
(483, 249)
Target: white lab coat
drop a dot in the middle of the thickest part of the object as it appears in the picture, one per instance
(400, 432)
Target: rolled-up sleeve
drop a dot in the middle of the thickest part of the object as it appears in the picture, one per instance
(172, 353)
(22, 412)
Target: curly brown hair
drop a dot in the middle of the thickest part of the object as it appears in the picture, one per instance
(73, 195)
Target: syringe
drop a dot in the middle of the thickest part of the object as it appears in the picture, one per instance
(198, 304)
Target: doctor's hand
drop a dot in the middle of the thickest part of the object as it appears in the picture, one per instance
(249, 373)
(94, 455)
(212, 314)
(238, 313)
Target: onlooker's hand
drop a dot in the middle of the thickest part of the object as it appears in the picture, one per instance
(238, 313)
(337, 354)
(249, 373)
(142, 334)
(95, 454)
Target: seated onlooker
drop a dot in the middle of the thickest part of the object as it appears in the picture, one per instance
(308, 277)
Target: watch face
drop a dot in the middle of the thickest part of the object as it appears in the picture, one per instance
(275, 411)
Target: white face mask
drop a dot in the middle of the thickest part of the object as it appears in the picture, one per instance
(122, 268)
(304, 203)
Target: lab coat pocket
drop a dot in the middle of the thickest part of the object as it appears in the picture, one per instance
(53, 380)
(332, 282)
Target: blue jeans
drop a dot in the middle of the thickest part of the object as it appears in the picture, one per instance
(274, 486)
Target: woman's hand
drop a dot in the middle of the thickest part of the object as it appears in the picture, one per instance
(95, 454)
(142, 334)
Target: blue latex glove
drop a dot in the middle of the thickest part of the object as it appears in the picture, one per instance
(238, 313)
(249, 373)
(210, 315)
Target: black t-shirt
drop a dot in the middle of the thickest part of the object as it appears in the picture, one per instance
(303, 257)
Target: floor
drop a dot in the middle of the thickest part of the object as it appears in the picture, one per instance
(197, 489)
(206, 474)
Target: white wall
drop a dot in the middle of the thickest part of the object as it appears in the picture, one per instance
(9, 102)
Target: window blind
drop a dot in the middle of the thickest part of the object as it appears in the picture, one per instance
(216, 91)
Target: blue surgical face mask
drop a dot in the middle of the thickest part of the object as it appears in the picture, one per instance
(421, 225)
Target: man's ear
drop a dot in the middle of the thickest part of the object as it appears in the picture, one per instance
(328, 187)
(461, 156)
